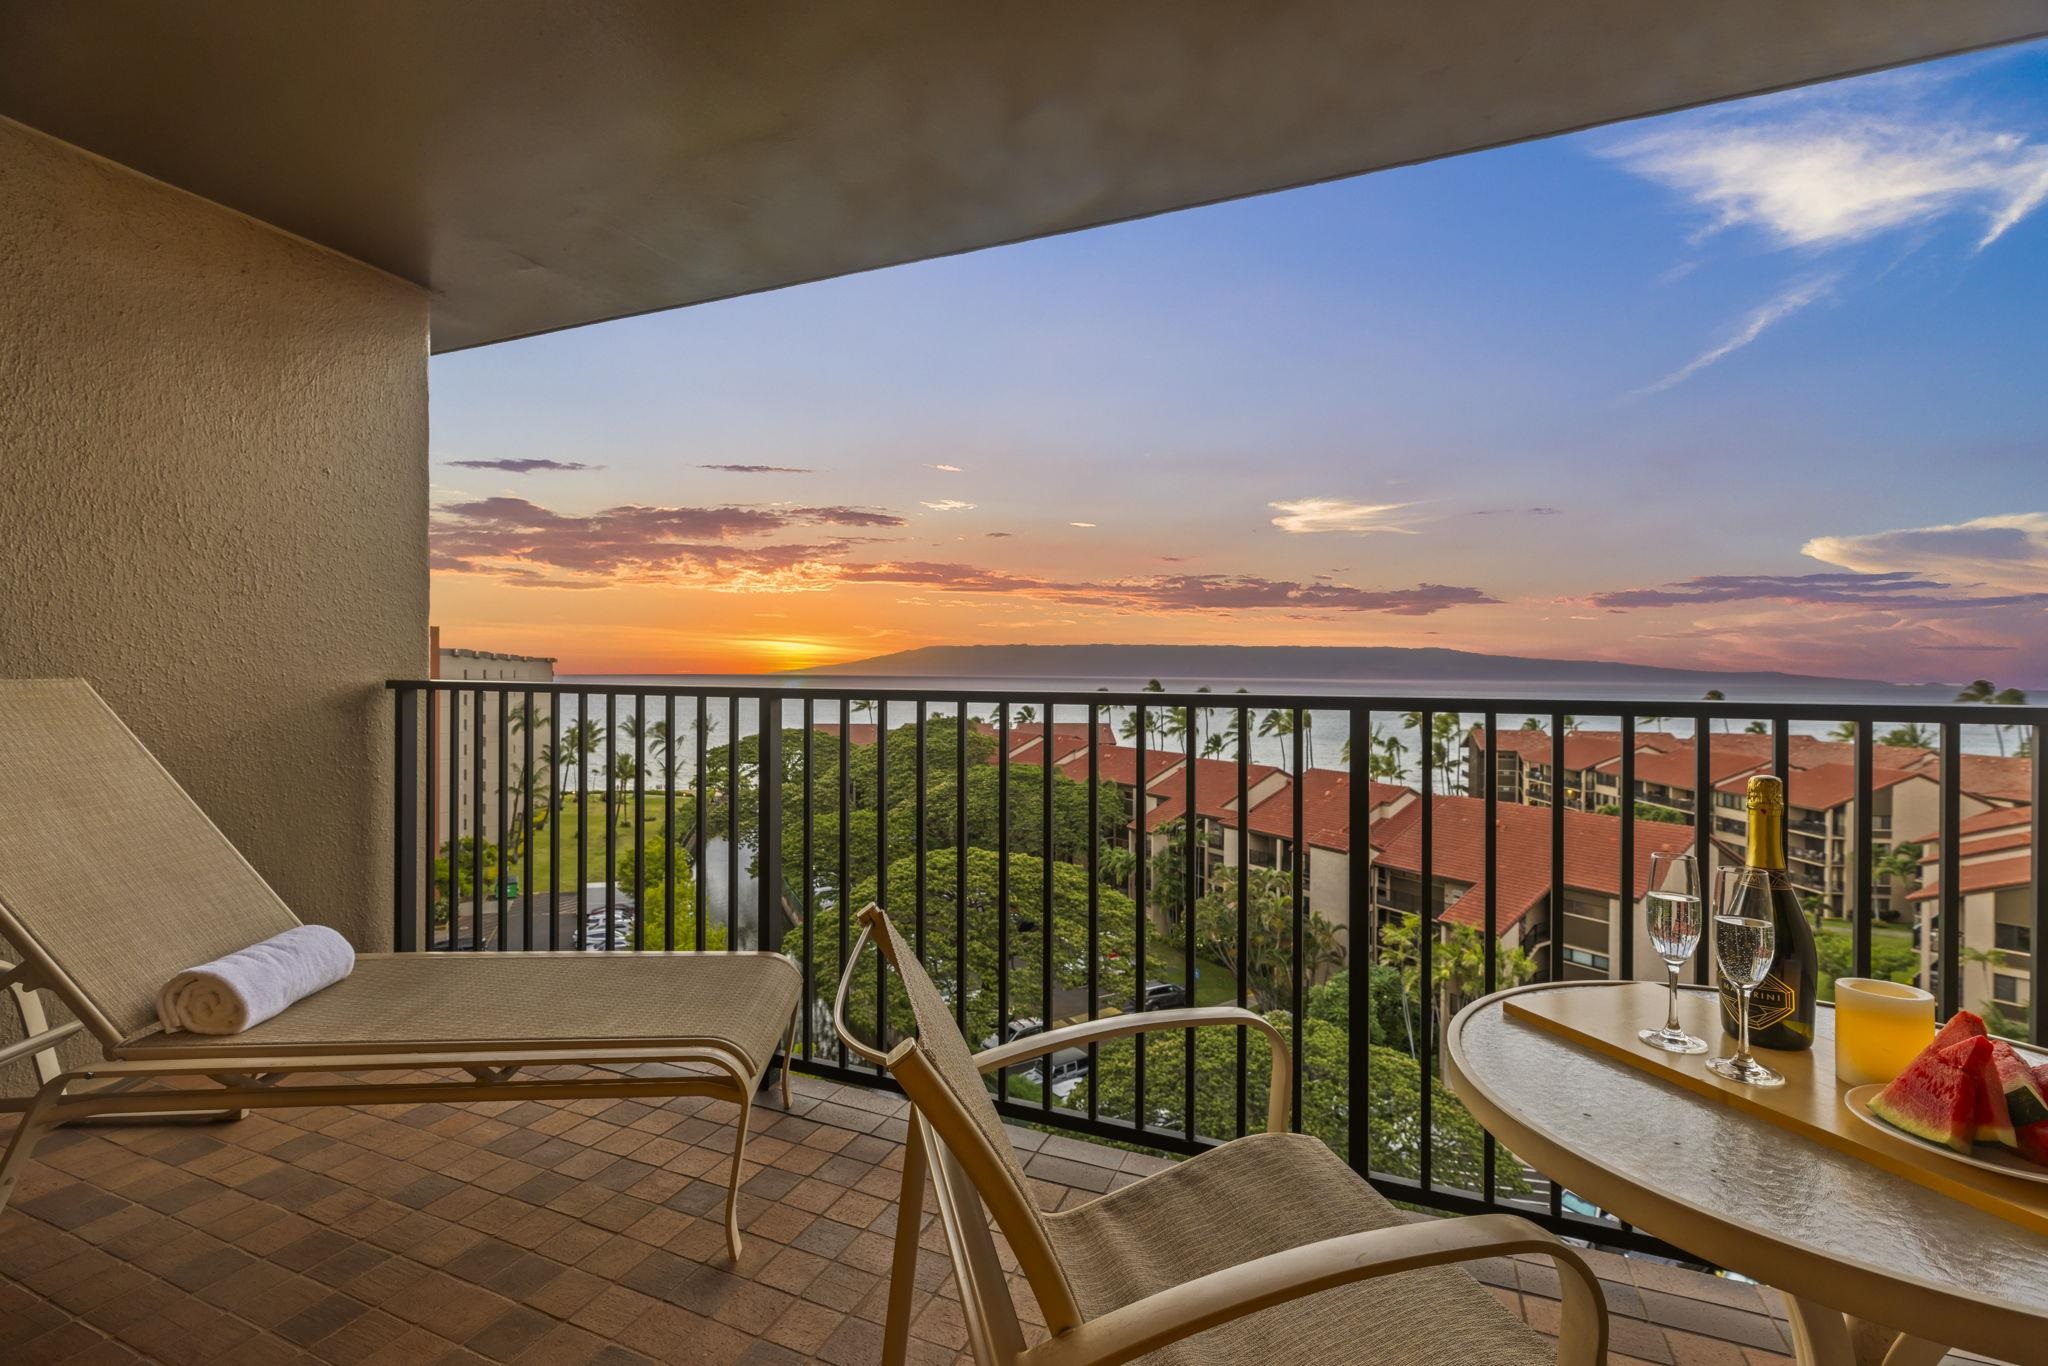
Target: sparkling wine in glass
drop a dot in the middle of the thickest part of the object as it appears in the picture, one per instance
(1745, 944)
(1672, 912)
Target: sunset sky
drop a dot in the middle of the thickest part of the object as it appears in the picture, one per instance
(1762, 386)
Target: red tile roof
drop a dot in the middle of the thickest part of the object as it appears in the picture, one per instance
(1325, 809)
(1592, 854)
(1997, 818)
(1119, 763)
(1991, 842)
(1994, 876)
(1582, 748)
(1677, 767)
(1827, 786)
(1215, 790)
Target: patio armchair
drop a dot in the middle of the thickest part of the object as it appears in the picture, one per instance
(112, 880)
(1266, 1249)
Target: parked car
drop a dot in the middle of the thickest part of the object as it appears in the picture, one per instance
(1021, 1028)
(1163, 996)
(1069, 1066)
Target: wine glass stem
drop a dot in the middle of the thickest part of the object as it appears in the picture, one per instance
(1671, 1010)
(1742, 1059)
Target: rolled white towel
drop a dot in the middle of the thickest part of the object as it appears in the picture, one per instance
(248, 986)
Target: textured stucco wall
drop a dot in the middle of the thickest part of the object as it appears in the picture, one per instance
(213, 467)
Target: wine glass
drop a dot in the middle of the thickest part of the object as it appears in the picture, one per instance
(1672, 914)
(1745, 942)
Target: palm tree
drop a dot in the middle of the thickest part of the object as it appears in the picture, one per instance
(1280, 722)
(1845, 732)
(1716, 695)
(1756, 728)
(1984, 691)
(1390, 763)
(1213, 746)
(1898, 863)
(1910, 736)
(1027, 713)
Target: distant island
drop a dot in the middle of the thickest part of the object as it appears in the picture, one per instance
(1328, 667)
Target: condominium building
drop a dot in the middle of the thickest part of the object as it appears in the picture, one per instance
(1995, 866)
(476, 789)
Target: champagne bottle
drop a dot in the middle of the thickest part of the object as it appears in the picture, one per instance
(1781, 1009)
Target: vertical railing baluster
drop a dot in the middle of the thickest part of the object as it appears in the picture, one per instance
(405, 796)
(1094, 899)
(882, 865)
(526, 832)
(806, 852)
(1144, 924)
(476, 820)
(1489, 1156)
(611, 821)
(1702, 834)
(1299, 925)
(670, 864)
(1244, 901)
(1189, 834)
(1627, 810)
(1864, 853)
(1951, 868)
(1425, 946)
(504, 834)
(1003, 889)
(2037, 892)
(584, 749)
(768, 842)
(845, 897)
(960, 866)
(1359, 914)
(554, 902)
(702, 787)
(1045, 905)
(1556, 893)
(430, 818)
(917, 775)
(639, 821)
(732, 822)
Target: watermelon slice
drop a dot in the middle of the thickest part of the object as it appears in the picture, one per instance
(1964, 1024)
(2011, 1097)
(1939, 1096)
(2030, 1137)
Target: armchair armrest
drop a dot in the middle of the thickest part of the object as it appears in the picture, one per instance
(1152, 1021)
(1233, 1293)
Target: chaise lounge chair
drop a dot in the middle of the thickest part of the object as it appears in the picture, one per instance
(103, 935)
(1268, 1249)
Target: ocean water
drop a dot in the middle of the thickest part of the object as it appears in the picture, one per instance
(1326, 731)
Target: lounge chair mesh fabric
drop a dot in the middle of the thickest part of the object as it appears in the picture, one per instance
(938, 1037)
(1266, 1193)
(420, 1002)
(106, 865)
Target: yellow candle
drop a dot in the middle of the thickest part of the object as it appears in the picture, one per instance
(1880, 1027)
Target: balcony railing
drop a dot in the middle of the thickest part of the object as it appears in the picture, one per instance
(629, 817)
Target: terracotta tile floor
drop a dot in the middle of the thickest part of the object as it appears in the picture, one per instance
(586, 1232)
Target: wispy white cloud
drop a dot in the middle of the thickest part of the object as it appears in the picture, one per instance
(946, 469)
(1306, 516)
(1086, 526)
(2008, 551)
(950, 505)
(1833, 176)
(1775, 310)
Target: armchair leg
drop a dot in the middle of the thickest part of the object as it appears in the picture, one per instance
(903, 1269)
(732, 1186)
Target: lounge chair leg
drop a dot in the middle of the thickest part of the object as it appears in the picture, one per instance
(732, 1188)
(903, 1268)
(35, 1122)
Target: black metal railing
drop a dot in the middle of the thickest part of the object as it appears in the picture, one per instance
(1039, 891)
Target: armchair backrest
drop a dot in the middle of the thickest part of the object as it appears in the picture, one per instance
(975, 1167)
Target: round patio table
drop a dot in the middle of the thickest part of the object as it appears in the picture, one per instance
(1850, 1246)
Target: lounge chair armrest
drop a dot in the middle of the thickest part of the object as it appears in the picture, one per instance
(1151, 1021)
(1233, 1293)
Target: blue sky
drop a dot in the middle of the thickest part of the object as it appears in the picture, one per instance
(1786, 354)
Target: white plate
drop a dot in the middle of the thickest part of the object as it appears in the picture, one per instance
(1988, 1156)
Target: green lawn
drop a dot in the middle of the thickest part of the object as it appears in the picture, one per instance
(1214, 985)
(593, 822)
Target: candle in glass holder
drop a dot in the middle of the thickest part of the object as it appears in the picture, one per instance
(1880, 1027)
